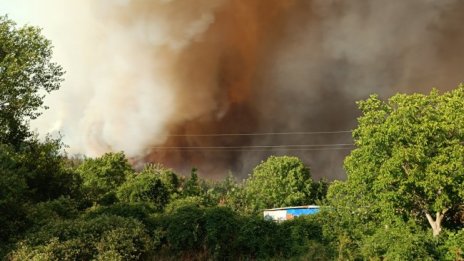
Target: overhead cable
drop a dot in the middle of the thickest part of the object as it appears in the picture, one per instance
(254, 146)
(259, 133)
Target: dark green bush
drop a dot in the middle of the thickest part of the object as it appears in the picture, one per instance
(104, 175)
(221, 233)
(185, 231)
(144, 187)
(398, 242)
(86, 239)
(190, 201)
(44, 212)
(257, 238)
(453, 247)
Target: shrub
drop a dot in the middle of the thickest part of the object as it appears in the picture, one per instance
(257, 238)
(192, 201)
(398, 242)
(85, 239)
(185, 230)
(221, 233)
(104, 174)
(145, 187)
(454, 246)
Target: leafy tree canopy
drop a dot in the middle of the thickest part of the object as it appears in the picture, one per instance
(409, 159)
(104, 174)
(148, 186)
(26, 74)
(278, 182)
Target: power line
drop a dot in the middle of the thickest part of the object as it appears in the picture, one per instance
(254, 146)
(257, 150)
(260, 133)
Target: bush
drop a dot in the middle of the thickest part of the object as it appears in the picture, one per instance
(185, 231)
(130, 243)
(144, 187)
(454, 246)
(398, 242)
(138, 211)
(257, 238)
(104, 174)
(221, 233)
(85, 239)
(300, 233)
(49, 211)
(192, 201)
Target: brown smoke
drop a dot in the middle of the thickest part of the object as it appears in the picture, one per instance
(169, 67)
(300, 66)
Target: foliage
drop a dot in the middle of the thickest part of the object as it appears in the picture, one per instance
(194, 201)
(278, 182)
(225, 192)
(46, 175)
(192, 186)
(101, 176)
(145, 186)
(221, 232)
(453, 248)
(185, 231)
(319, 190)
(26, 73)
(85, 239)
(409, 159)
(395, 241)
(45, 212)
(13, 188)
(33, 174)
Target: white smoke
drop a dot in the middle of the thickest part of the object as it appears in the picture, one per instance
(118, 94)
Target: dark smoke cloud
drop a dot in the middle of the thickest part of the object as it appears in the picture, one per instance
(235, 66)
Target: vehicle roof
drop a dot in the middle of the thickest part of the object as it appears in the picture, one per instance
(295, 207)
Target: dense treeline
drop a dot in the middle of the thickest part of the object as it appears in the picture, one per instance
(402, 200)
(116, 213)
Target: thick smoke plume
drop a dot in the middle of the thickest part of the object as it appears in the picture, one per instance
(140, 71)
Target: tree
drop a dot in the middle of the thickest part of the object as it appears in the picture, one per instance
(192, 186)
(101, 176)
(278, 182)
(26, 73)
(45, 171)
(409, 159)
(146, 186)
(13, 188)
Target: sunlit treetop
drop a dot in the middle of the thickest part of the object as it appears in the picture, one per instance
(26, 75)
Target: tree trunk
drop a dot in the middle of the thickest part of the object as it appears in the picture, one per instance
(436, 224)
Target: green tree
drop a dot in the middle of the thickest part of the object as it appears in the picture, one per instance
(453, 247)
(46, 174)
(13, 188)
(278, 182)
(409, 159)
(192, 186)
(146, 186)
(26, 73)
(169, 179)
(223, 192)
(101, 176)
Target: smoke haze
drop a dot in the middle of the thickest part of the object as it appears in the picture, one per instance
(140, 71)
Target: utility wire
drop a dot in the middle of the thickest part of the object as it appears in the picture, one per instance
(254, 146)
(260, 133)
(257, 150)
